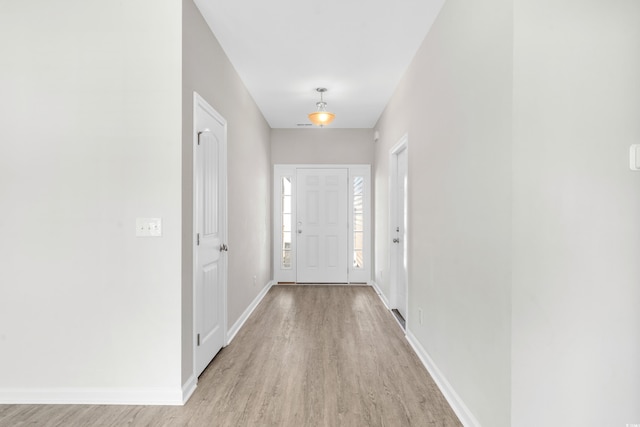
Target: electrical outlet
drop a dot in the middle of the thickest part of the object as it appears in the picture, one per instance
(420, 315)
(255, 280)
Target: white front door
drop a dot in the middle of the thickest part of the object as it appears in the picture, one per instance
(322, 226)
(210, 233)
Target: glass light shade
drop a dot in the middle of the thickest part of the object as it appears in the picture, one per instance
(321, 118)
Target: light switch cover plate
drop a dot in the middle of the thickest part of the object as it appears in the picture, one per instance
(634, 157)
(148, 227)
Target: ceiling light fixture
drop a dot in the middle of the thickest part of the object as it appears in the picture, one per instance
(321, 117)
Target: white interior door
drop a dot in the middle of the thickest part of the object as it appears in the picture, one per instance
(210, 234)
(322, 226)
(399, 186)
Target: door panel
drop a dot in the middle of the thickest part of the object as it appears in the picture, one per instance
(332, 251)
(312, 251)
(210, 261)
(322, 226)
(210, 289)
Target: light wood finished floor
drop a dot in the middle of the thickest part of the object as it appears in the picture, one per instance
(308, 356)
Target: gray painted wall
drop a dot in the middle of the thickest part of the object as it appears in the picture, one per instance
(576, 214)
(322, 146)
(454, 103)
(523, 211)
(207, 70)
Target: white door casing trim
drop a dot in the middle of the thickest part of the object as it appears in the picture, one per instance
(281, 274)
(363, 275)
(401, 145)
(200, 102)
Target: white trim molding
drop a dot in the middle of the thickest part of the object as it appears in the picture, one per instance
(202, 106)
(188, 388)
(231, 333)
(464, 414)
(93, 396)
(396, 268)
(382, 296)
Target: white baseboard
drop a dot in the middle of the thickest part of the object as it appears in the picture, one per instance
(93, 396)
(120, 396)
(231, 333)
(456, 403)
(382, 296)
(188, 388)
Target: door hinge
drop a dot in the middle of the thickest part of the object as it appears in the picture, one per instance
(198, 340)
(200, 133)
(198, 239)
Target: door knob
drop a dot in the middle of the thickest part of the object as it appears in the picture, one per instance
(224, 247)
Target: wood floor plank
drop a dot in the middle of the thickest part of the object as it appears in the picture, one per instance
(308, 356)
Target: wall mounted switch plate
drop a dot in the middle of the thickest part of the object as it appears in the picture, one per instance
(148, 227)
(634, 157)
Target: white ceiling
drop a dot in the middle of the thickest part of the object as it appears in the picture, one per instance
(284, 49)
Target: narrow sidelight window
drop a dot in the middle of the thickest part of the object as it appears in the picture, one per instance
(358, 222)
(286, 222)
